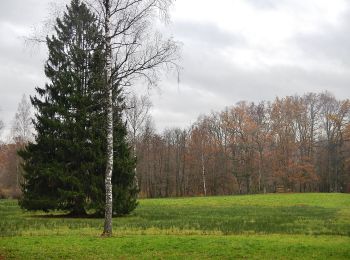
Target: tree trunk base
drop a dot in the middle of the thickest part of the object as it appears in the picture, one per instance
(106, 234)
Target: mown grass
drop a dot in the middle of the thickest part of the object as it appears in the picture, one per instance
(282, 226)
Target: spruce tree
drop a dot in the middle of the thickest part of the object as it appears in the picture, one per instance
(64, 167)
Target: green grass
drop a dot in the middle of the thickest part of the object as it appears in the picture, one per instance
(280, 226)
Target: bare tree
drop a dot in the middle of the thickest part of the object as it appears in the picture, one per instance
(22, 127)
(22, 132)
(1, 126)
(137, 112)
(133, 50)
(334, 119)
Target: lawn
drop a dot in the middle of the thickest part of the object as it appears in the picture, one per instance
(273, 226)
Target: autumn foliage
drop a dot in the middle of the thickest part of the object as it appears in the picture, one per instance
(300, 143)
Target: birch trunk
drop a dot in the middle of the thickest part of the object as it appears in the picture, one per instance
(109, 124)
(136, 182)
(203, 176)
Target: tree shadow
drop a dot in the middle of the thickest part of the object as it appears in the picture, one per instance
(68, 216)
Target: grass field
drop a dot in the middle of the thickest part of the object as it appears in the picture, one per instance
(273, 226)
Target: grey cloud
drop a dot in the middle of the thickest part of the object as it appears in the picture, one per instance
(207, 34)
(210, 75)
(22, 12)
(29, 12)
(268, 4)
(264, 4)
(331, 43)
(236, 83)
(21, 67)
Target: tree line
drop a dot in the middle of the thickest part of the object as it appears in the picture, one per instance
(295, 143)
(300, 143)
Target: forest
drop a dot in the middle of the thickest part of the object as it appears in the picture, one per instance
(293, 144)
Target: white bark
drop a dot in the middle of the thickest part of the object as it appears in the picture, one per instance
(109, 108)
(203, 175)
(134, 51)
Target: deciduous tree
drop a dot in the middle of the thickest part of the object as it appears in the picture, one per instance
(22, 127)
(133, 50)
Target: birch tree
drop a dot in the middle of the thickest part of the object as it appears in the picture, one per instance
(133, 51)
(22, 127)
(22, 132)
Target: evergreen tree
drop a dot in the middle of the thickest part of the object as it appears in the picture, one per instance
(64, 168)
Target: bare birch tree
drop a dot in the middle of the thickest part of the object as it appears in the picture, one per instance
(22, 132)
(22, 127)
(137, 112)
(134, 50)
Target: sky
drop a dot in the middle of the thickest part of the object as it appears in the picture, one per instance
(232, 50)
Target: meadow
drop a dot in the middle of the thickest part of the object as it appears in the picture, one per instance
(271, 226)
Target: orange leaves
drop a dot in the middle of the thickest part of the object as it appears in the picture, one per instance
(299, 142)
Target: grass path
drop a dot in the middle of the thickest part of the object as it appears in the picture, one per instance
(274, 226)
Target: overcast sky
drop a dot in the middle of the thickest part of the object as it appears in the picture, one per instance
(232, 50)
